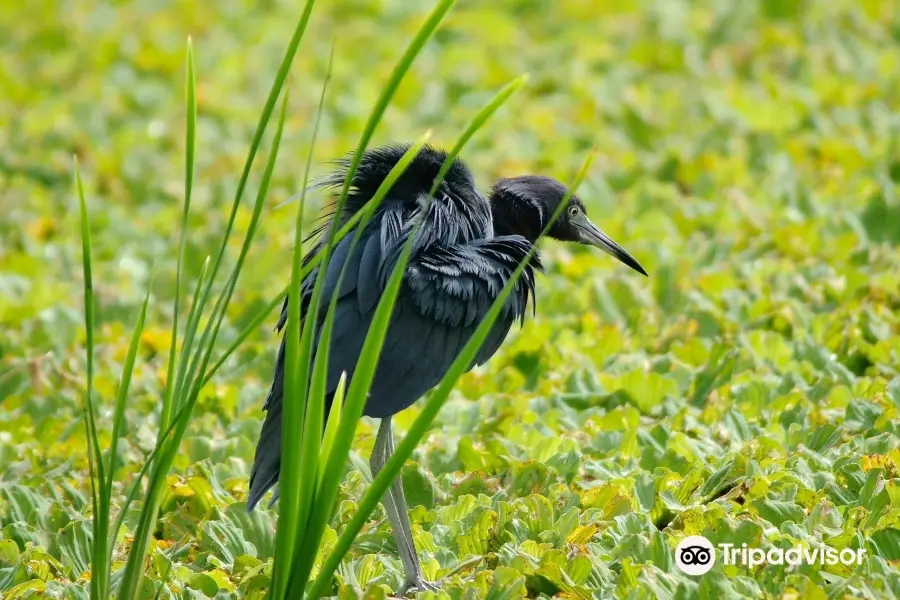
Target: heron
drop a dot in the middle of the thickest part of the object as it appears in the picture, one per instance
(466, 249)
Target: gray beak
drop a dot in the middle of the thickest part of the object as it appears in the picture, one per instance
(590, 234)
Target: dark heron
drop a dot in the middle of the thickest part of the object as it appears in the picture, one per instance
(466, 250)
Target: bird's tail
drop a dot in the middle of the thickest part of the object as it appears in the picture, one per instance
(267, 463)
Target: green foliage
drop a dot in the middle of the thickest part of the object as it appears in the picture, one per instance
(747, 391)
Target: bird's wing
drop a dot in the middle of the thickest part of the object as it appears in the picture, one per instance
(446, 293)
(456, 285)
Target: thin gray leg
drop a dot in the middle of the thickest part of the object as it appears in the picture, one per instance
(395, 506)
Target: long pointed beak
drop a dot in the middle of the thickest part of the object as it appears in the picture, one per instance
(592, 235)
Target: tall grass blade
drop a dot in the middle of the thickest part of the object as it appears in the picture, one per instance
(148, 461)
(298, 349)
(124, 384)
(99, 495)
(193, 323)
(190, 143)
(331, 425)
(300, 484)
(314, 420)
(133, 565)
(310, 401)
(119, 413)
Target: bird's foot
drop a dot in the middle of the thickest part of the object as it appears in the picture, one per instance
(423, 585)
(418, 584)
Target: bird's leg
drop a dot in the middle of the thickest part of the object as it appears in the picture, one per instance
(395, 506)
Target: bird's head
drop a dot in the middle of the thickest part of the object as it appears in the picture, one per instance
(523, 205)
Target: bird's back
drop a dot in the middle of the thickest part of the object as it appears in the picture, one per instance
(456, 270)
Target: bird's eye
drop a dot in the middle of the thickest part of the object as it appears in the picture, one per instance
(573, 211)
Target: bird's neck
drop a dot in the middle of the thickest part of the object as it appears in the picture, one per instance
(516, 215)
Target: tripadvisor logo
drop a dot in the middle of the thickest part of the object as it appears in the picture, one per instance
(696, 555)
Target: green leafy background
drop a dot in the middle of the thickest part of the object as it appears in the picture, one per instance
(747, 391)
